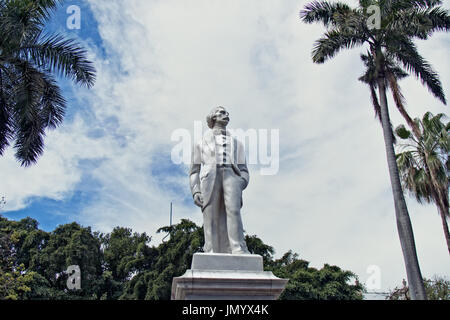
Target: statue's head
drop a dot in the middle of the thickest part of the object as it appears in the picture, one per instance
(218, 114)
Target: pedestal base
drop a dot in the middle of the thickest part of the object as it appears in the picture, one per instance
(216, 276)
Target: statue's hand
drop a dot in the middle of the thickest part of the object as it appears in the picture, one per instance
(198, 199)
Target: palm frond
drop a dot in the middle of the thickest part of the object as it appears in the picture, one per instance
(45, 8)
(425, 3)
(6, 132)
(398, 72)
(332, 42)
(323, 11)
(63, 56)
(406, 53)
(52, 103)
(375, 103)
(420, 22)
(425, 159)
(371, 73)
(395, 5)
(412, 177)
(30, 98)
(400, 102)
(22, 19)
(29, 126)
(38, 10)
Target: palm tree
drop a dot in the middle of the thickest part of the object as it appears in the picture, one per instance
(425, 163)
(30, 62)
(393, 73)
(401, 22)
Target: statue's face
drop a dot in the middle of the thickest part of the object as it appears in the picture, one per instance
(222, 116)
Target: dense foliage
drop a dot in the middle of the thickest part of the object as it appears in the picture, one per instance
(437, 288)
(123, 265)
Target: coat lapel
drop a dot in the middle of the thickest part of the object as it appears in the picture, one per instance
(210, 142)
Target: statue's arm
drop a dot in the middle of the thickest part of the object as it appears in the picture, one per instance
(242, 164)
(194, 172)
(194, 178)
(244, 174)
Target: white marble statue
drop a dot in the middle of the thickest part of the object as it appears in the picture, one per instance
(218, 175)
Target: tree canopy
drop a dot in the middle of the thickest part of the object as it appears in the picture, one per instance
(123, 265)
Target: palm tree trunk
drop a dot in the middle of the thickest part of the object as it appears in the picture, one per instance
(443, 212)
(445, 226)
(404, 226)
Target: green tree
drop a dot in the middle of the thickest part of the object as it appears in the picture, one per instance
(123, 252)
(307, 283)
(256, 246)
(170, 259)
(21, 240)
(174, 257)
(437, 288)
(71, 244)
(400, 23)
(30, 60)
(124, 255)
(15, 280)
(121, 265)
(22, 243)
(425, 163)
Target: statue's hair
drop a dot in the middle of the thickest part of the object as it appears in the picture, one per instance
(210, 118)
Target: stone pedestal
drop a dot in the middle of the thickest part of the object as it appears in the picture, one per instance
(216, 276)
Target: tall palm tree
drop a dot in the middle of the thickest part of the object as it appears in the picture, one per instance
(431, 128)
(425, 163)
(30, 62)
(402, 21)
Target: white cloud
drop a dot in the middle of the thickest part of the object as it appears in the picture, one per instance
(169, 62)
(56, 173)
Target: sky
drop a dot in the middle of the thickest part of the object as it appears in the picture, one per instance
(162, 65)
